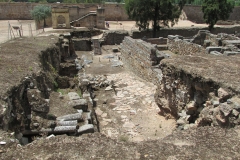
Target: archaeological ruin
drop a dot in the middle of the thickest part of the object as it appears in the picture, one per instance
(91, 93)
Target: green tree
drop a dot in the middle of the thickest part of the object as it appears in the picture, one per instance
(214, 10)
(41, 12)
(159, 12)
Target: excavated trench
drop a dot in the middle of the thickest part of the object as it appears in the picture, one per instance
(73, 96)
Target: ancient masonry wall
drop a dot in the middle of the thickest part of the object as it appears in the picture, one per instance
(195, 14)
(185, 32)
(113, 12)
(21, 11)
(140, 57)
(180, 94)
(183, 47)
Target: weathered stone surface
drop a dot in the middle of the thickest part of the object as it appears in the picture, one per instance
(216, 53)
(67, 123)
(213, 48)
(191, 106)
(235, 112)
(70, 117)
(220, 119)
(73, 96)
(215, 103)
(115, 49)
(79, 104)
(87, 128)
(182, 47)
(37, 103)
(181, 122)
(225, 108)
(222, 94)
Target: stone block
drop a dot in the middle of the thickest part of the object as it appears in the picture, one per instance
(73, 96)
(222, 94)
(225, 109)
(213, 48)
(79, 104)
(87, 128)
(216, 53)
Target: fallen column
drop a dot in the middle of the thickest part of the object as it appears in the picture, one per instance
(71, 117)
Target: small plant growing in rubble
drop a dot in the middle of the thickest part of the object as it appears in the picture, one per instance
(60, 91)
(10, 70)
(30, 68)
(19, 69)
(79, 93)
(123, 138)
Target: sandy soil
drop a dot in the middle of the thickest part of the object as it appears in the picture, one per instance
(130, 25)
(28, 29)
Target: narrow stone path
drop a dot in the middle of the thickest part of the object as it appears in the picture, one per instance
(132, 113)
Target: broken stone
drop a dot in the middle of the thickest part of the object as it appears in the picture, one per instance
(86, 95)
(24, 140)
(222, 94)
(191, 106)
(213, 48)
(182, 114)
(36, 124)
(229, 101)
(37, 103)
(181, 121)
(215, 103)
(221, 119)
(115, 49)
(51, 136)
(225, 109)
(235, 112)
(79, 104)
(123, 116)
(129, 125)
(87, 128)
(133, 112)
(73, 96)
(69, 117)
(198, 98)
(98, 111)
(104, 115)
(108, 88)
(67, 123)
(236, 106)
(2, 142)
(84, 82)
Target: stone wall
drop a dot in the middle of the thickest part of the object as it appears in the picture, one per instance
(185, 32)
(82, 44)
(195, 14)
(183, 47)
(158, 41)
(141, 57)
(21, 11)
(113, 12)
(113, 37)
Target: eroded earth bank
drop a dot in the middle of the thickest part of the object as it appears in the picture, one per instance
(135, 100)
